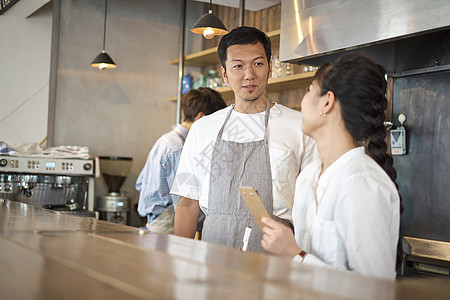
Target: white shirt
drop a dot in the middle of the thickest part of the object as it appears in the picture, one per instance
(289, 149)
(349, 217)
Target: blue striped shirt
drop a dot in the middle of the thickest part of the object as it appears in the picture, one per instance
(156, 178)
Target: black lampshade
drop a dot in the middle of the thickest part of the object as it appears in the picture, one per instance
(103, 61)
(209, 25)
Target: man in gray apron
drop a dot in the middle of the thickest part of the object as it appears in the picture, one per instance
(221, 154)
(240, 164)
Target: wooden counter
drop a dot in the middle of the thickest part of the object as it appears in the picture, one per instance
(50, 255)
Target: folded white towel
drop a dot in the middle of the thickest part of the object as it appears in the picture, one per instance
(35, 150)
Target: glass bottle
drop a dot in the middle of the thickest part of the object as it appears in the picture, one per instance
(200, 81)
(212, 80)
(276, 67)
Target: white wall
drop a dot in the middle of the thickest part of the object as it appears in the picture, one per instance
(24, 74)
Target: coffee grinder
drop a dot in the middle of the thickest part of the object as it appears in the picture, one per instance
(114, 206)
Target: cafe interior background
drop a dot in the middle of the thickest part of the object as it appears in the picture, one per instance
(49, 91)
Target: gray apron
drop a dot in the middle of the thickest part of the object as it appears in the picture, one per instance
(233, 165)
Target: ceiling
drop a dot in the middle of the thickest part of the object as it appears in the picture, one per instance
(254, 5)
(25, 8)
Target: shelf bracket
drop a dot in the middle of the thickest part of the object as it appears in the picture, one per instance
(181, 60)
(241, 12)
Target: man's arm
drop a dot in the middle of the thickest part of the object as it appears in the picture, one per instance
(186, 217)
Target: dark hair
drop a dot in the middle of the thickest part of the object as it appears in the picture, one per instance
(359, 85)
(243, 36)
(203, 100)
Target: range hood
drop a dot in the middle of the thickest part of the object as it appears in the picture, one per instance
(401, 35)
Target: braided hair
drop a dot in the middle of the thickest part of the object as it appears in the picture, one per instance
(359, 85)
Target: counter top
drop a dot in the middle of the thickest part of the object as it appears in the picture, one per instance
(50, 255)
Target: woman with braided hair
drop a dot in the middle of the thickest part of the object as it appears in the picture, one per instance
(347, 208)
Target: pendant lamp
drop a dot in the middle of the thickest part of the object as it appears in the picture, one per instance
(209, 25)
(103, 61)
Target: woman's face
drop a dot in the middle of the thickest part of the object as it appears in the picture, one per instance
(310, 110)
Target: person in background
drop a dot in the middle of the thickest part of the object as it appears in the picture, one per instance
(254, 142)
(157, 176)
(347, 207)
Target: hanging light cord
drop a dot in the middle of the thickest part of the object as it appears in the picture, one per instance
(210, 5)
(104, 26)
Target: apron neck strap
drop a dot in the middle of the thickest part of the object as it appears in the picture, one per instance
(266, 121)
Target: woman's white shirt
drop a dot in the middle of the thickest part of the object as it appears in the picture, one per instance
(349, 217)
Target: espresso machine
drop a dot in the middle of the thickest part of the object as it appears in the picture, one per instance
(62, 184)
(114, 206)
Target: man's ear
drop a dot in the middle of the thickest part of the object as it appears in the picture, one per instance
(224, 74)
(199, 115)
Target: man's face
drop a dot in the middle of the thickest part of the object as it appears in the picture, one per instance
(247, 71)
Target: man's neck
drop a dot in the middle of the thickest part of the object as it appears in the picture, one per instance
(251, 107)
(186, 125)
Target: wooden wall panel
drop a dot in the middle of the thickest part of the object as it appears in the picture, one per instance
(423, 173)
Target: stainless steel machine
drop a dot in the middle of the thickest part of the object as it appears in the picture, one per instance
(114, 206)
(62, 184)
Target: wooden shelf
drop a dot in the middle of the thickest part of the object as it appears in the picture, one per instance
(210, 57)
(295, 81)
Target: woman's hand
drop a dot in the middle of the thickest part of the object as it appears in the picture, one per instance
(278, 239)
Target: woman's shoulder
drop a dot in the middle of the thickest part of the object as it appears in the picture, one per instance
(362, 169)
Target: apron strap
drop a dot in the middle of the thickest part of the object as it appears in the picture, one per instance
(266, 121)
(219, 136)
